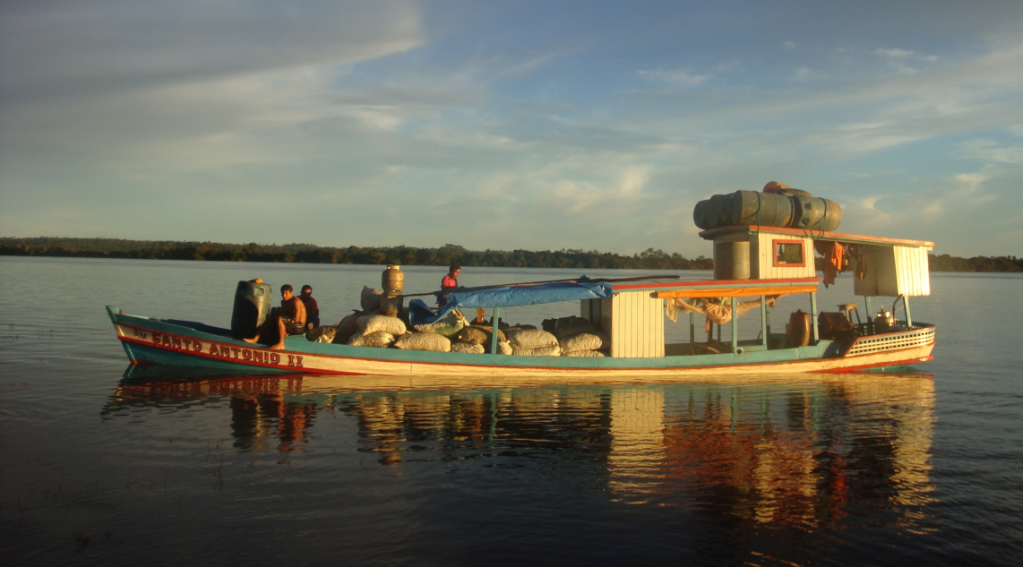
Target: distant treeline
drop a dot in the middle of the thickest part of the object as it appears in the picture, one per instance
(448, 254)
(309, 254)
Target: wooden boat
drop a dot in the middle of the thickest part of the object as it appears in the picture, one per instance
(750, 262)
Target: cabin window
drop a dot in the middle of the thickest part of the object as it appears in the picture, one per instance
(788, 253)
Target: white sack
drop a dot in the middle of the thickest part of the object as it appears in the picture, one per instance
(381, 324)
(467, 348)
(585, 341)
(423, 341)
(542, 351)
(585, 354)
(377, 340)
(531, 338)
(370, 299)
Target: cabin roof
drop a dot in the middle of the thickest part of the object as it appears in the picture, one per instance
(724, 288)
(818, 235)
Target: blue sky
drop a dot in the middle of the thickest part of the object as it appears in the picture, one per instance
(503, 125)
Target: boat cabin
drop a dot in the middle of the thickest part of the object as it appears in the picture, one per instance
(753, 264)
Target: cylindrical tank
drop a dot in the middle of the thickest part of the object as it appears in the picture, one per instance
(720, 211)
(252, 301)
(814, 213)
(764, 209)
(393, 280)
(798, 330)
(390, 304)
(700, 215)
(731, 260)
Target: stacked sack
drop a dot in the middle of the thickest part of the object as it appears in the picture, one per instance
(577, 337)
(475, 339)
(526, 341)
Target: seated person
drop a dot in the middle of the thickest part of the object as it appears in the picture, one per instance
(289, 319)
(448, 283)
(312, 310)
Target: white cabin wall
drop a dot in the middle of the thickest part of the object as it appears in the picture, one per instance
(762, 258)
(912, 270)
(636, 325)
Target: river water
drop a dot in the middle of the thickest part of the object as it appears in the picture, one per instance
(100, 465)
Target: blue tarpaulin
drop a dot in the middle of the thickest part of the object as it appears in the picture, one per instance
(510, 297)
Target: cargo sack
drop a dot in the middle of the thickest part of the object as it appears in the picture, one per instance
(531, 338)
(541, 351)
(504, 347)
(585, 341)
(467, 348)
(567, 326)
(478, 335)
(370, 300)
(377, 340)
(448, 325)
(369, 324)
(423, 341)
(585, 354)
(347, 327)
(321, 334)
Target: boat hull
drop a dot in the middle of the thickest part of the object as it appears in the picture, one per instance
(154, 341)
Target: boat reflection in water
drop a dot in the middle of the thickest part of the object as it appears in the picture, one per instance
(806, 451)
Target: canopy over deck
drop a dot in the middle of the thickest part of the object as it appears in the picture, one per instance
(818, 235)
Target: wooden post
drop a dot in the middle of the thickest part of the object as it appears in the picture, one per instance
(763, 319)
(735, 326)
(692, 329)
(813, 316)
(870, 317)
(493, 334)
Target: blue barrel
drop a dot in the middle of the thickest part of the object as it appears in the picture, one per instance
(252, 302)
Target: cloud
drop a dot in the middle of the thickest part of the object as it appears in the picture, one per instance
(894, 53)
(678, 77)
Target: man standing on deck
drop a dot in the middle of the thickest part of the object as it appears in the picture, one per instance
(289, 317)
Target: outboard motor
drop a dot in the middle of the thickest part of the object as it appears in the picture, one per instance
(252, 302)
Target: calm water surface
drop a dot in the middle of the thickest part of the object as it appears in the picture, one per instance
(102, 466)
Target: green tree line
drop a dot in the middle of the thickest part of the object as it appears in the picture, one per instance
(407, 255)
(311, 254)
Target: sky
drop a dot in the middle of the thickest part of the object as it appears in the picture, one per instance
(501, 125)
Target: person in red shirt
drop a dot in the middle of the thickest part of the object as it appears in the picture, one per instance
(449, 283)
(312, 310)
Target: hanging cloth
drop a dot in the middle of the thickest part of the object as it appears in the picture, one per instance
(834, 254)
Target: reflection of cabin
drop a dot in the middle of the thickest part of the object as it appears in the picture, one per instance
(752, 262)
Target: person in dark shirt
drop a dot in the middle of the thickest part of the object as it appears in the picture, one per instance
(312, 310)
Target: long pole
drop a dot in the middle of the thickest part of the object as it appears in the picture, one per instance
(528, 284)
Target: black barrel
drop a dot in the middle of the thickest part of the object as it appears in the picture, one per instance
(700, 214)
(252, 303)
(719, 212)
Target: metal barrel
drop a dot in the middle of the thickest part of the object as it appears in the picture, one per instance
(393, 279)
(700, 215)
(814, 213)
(719, 213)
(731, 260)
(252, 303)
(764, 209)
